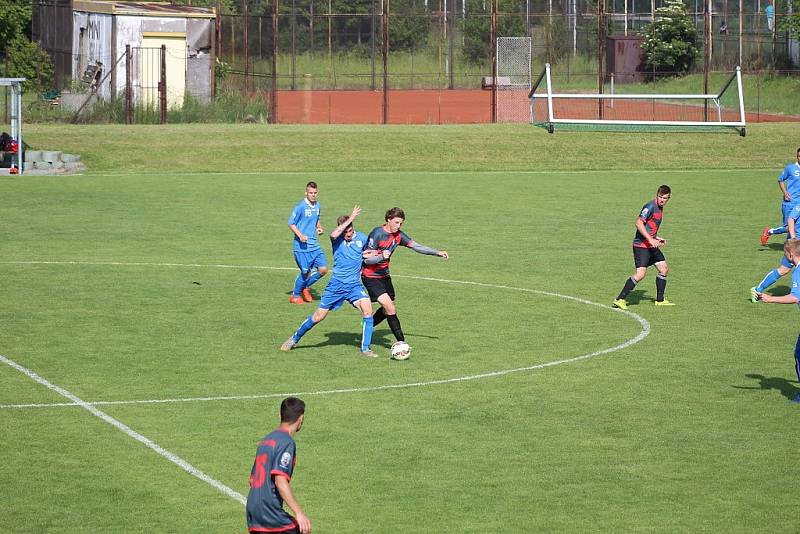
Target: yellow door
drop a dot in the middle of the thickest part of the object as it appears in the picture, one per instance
(150, 71)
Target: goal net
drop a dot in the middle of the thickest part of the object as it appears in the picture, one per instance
(513, 78)
(623, 111)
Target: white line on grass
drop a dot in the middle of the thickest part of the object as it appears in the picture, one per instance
(77, 401)
(641, 320)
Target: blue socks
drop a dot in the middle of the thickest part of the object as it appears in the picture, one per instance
(311, 280)
(778, 230)
(299, 284)
(307, 325)
(366, 333)
(772, 277)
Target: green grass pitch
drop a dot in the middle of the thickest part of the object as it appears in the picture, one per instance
(169, 281)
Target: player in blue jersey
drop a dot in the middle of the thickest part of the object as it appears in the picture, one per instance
(647, 249)
(345, 285)
(785, 266)
(304, 224)
(789, 183)
(271, 473)
(792, 251)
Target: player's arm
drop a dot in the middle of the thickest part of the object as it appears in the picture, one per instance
(285, 489)
(782, 184)
(783, 299)
(651, 242)
(320, 229)
(296, 231)
(428, 251)
(339, 229)
(792, 228)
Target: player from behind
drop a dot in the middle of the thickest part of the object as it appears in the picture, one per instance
(647, 249)
(792, 251)
(375, 276)
(271, 473)
(785, 266)
(304, 224)
(789, 184)
(345, 285)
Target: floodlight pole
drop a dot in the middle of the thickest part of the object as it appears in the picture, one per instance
(493, 37)
(706, 52)
(385, 50)
(273, 97)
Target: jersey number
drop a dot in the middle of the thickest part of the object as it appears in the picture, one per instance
(259, 474)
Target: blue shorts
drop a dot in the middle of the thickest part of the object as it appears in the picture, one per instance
(308, 261)
(337, 292)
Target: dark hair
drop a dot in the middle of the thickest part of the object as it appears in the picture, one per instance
(395, 212)
(341, 219)
(312, 184)
(291, 409)
(664, 190)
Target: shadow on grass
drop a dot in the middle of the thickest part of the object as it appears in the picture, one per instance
(381, 338)
(773, 382)
(637, 296)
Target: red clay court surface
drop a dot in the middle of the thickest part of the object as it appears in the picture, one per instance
(470, 106)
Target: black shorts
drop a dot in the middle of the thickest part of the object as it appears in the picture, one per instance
(645, 257)
(378, 286)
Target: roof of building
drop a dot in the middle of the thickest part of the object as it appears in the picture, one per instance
(143, 9)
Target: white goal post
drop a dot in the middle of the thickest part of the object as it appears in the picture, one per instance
(638, 111)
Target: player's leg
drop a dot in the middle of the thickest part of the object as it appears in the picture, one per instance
(770, 278)
(311, 321)
(641, 260)
(320, 268)
(797, 366)
(302, 261)
(661, 282)
(365, 306)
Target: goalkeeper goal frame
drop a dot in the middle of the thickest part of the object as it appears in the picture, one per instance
(552, 121)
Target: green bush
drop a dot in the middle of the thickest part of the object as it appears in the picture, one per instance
(670, 41)
(26, 60)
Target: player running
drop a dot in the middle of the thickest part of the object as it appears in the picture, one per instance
(304, 224)
(789, 183)
(785, 266)
(647, 249)
(375, 276)
(345, 285)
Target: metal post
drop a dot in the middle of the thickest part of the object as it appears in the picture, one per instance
(128, 96)
(273, 97)
(601, 41)
(294, 44)
(372, 46)
(706, 52)
(450, 13)
(162, 87)
(741, 24)
(385, 51)
(219, 28)
(245, 47)
(493, 37)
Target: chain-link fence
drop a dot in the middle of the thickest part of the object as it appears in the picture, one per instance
(436, 61)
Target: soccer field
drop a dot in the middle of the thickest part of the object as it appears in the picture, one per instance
(143, 310)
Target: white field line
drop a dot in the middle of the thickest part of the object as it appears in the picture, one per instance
(183, 464)
(491, 374)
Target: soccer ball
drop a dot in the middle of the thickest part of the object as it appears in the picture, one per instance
(401, 350)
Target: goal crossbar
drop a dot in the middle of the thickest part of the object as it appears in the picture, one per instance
(552, 120)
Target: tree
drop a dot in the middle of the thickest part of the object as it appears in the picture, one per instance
(791, 21)
(476, 27)
(670, 41)
(26, 60)
(15, 21)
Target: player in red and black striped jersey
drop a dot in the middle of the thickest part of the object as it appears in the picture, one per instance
(375, 274)
(647, 249)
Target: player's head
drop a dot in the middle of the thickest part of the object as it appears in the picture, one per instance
(349, 231)
(663, 194)
(293, 411)
(395, 217)
(798, 154)
(311, 192)
(791, 248)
